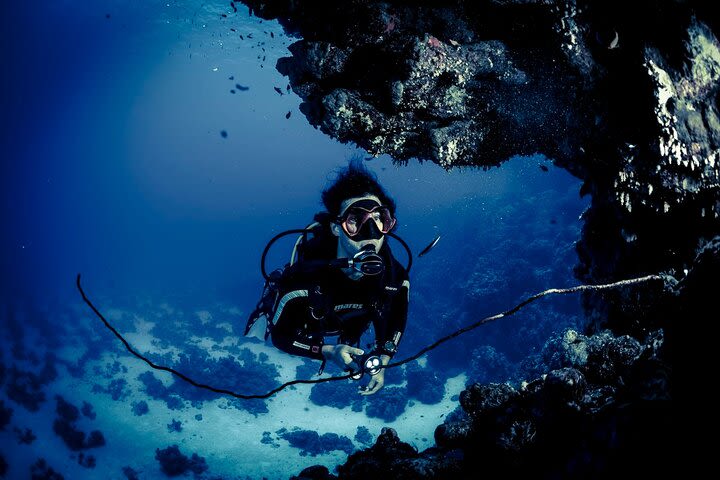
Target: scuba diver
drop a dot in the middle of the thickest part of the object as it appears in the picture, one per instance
(342, 278)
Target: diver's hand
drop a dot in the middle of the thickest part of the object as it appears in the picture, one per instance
(342, 355)
(376, 381)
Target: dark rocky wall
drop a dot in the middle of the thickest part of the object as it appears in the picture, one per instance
(624, 95)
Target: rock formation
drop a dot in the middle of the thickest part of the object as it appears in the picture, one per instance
(625, 96)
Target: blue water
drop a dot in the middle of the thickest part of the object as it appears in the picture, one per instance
(114, 165)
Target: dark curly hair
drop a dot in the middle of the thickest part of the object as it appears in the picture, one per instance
(354, 181)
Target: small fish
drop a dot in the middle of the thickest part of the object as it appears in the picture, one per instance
(231, 77)
(263, 58)
(232, 91)
(287, 115)
(278, 90)
(223, 15)
(272, 35)
(107, 15)
(242, 38)
(543, 168)
(241, 88)
(223, 133)
(233, 30)
(429, 247)
(249, 35)
(454, 43)
(615, 42)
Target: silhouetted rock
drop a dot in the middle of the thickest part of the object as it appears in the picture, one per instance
(316, 472)
(392, 458)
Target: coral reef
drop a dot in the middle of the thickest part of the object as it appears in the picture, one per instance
(117, 389)
(247, 372)
(87, 461)
(64, 427)
(424, 384)
(26, 387)
(173, 463)
(312, 443)
(140, 408)
(25, 437)
(363, 435)
(396, 459)
(337, 394)
(40, 470)
(174, 426)
(5, 415)
(88, 411)
(130, 473)
(388, 404)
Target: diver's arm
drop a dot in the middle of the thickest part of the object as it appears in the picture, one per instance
(393, 324)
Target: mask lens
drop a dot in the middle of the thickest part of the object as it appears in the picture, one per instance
(352, 224)
(355, 218)
(387, 221)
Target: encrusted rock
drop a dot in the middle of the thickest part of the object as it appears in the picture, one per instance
(483, 399)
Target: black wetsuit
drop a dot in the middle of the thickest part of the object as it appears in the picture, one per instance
(317, 303)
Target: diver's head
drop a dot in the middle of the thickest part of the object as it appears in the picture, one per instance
(363, 222)
(362, 212)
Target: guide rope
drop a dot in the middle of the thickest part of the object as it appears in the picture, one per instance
(486, 320)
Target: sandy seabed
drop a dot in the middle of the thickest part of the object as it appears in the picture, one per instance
(229, 439)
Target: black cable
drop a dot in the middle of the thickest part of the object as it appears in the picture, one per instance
(186, 378)
(520, 305)
(390, 365)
